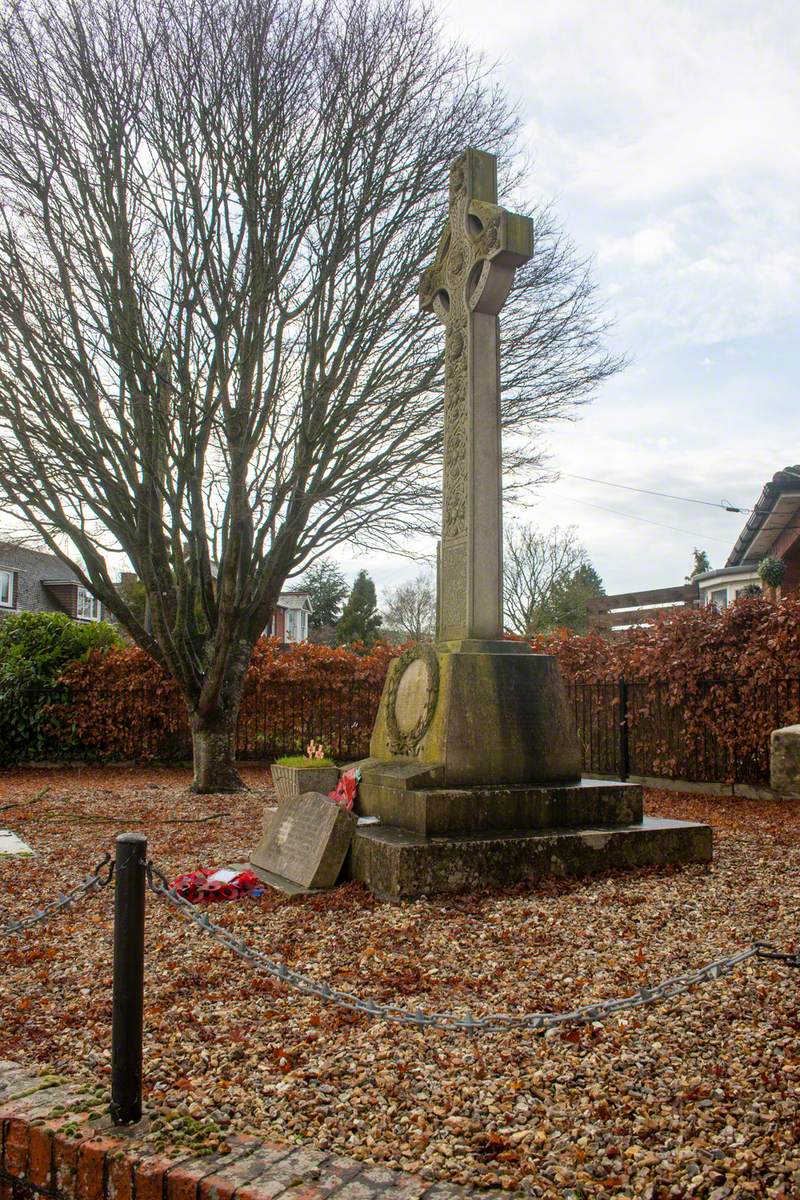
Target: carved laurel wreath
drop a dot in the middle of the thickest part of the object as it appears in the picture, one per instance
(401, 742)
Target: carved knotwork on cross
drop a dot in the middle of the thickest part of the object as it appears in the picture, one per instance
(466, 287)
(480, 249)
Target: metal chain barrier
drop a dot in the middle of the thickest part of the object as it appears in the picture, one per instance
(492, 1023)
(767, 950)
(99, 878)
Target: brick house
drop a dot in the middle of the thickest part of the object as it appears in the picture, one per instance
(773, 527)
(35, 581)
(290, 618)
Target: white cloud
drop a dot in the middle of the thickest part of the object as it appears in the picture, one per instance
(644, 248)
(666, 131)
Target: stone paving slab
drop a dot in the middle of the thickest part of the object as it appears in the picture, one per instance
(74, 1154)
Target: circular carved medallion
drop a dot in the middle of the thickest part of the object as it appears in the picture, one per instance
(411, 700)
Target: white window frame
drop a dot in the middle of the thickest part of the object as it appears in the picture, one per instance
(87, 601)
(714, 598)
(6, 588)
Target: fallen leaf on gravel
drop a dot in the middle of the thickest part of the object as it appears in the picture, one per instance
(695, 1097)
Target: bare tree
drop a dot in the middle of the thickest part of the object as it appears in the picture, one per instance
(213, 217)
(410, 609)
(538, 568)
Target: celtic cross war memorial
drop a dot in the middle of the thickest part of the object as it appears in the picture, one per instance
(475, 765)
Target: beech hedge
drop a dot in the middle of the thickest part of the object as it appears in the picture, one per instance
(710, 685)
(754, 638)
(729, 675)
(123, 706)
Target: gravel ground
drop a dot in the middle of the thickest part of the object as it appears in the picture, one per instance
(695, 1097)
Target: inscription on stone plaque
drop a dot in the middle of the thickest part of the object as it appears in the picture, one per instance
(305, 841)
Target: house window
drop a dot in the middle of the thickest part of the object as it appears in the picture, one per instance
(296, 625)
(6, 589)
(719, 598)
(88, 606)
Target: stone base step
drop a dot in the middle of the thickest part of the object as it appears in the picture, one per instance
(398, 864)
(391, 792)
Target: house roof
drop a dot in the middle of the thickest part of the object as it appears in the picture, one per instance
(39, 563)
(776, 505)
(725, 573)
(298, 600)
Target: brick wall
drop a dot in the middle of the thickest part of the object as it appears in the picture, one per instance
(64, 598)
(56, 1144)
(787, 547)
(279, 616)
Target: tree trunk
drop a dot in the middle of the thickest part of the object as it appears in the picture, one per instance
(214, 751)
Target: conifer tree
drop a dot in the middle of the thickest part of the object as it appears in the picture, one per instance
(360, 620)
(327, 588)
(700, 565)
(568, 605)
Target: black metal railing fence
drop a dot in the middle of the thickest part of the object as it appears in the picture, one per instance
(715, 731)
(272, 722)
(271, 725)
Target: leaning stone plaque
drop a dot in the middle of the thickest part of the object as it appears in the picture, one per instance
(304, 842)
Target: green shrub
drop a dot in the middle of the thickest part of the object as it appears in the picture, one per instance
(771, 571)
(34, 649)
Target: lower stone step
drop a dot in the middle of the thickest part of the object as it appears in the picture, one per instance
(398, 864)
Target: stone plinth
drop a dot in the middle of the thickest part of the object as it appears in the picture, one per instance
(405, 795)
(784, 760)
(397, 864)
(474, 772)
(481, 712)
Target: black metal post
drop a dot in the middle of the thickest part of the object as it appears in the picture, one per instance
(624, 743)
(126, 1021)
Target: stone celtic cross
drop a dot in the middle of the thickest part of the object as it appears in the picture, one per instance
(466, 287)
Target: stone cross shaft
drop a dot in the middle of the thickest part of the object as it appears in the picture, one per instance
(466, 287)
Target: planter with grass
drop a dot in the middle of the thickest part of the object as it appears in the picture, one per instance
(311, 772)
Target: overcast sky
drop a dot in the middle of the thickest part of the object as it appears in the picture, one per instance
(668, 136)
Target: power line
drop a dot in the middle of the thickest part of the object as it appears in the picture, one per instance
(632, 517)
(723, 504)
